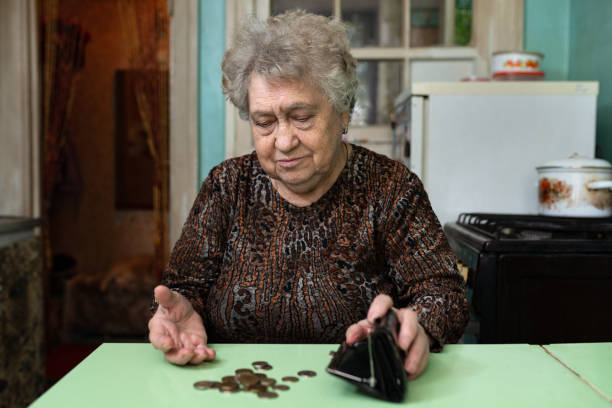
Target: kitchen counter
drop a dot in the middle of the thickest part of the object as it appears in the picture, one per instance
(517, 375)
(22, 372)
(13, 229)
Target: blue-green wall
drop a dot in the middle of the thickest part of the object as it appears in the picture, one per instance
(591, 59)
(576, 39)
(211, 46)
(546, 29)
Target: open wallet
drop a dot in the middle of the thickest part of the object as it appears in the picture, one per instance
(374, 364)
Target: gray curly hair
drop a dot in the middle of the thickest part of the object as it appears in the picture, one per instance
(292, 46)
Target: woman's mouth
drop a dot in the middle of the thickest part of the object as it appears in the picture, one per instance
(287, 163)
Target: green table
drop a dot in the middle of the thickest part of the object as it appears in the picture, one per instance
(136, 375)
(590, 361)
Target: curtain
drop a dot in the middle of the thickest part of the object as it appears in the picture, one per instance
(145, 26)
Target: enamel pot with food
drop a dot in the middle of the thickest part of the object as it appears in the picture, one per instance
(517, 65)
(575, 187)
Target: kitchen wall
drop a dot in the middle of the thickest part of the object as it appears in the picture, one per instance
(547, 30)
(591, 59)
(575, 37)
(211, 100)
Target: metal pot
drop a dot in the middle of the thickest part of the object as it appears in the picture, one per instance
(516, 65)
(575, 187)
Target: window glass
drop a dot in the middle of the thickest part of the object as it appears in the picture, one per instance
(463, 22)
(440, 22)
(426, 18)
(373, 23)
(379, 83)
(322, 7)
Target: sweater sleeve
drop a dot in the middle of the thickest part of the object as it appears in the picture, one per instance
(196, 258)
(422, 265)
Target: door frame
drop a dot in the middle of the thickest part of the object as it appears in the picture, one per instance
(183, 143)
(20, 167)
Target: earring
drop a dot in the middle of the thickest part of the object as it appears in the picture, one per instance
(345, 135)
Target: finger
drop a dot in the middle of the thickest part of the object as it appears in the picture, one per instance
(206, 351)
(379, 307)
(210, 353)
(193, 340)
(179, 356)
(408, 328)
(161, 341)
(199, 339)
(197, 343)
(166, 297)
(159, 336)
(358, 331)
(202, 353)
(418, 354)
(199, 355)
(186, 342)
(165, 327)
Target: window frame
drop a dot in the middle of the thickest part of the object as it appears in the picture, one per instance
(496, 24)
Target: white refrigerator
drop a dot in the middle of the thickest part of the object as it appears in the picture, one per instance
(475, 145)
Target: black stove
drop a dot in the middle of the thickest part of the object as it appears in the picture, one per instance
(537, 279)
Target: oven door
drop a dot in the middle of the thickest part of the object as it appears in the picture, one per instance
(554, 298)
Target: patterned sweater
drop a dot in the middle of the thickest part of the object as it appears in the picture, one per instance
(259, 269)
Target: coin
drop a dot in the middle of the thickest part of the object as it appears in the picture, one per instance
(258, 364)
(229, 379)
(281, 387)
(268, 382)
(257, 388)
(307, 373)
(267, 394)
(206, 385)
(261, 376)
(290, 378)
(332, 353)
(228, 387)
(265, 367)
(244, 371)
(248, 380)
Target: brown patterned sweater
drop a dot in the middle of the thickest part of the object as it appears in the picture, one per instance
(259, 269)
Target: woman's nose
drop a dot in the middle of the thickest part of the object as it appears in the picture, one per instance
(286, 139)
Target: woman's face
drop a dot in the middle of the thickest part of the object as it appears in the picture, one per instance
(297, 137)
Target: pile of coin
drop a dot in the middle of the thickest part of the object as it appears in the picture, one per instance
(246, 380)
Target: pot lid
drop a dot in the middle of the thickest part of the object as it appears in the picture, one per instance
(576, 161)
(538, 54)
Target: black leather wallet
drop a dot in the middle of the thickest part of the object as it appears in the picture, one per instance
(375, 364)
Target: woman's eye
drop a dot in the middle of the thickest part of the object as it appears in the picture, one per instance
(263, 124)
(303, 122)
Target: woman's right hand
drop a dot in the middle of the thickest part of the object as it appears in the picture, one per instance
(177, 330)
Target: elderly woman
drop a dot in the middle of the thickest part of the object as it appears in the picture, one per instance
(307, 239)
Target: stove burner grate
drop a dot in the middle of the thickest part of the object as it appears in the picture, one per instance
(536, 227)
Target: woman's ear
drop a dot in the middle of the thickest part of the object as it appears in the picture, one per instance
(345, 117)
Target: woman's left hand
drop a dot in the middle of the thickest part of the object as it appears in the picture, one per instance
(411, 338)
